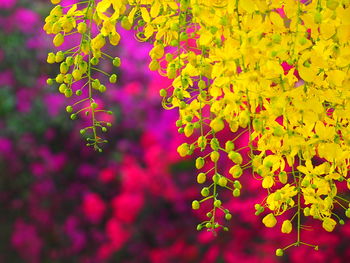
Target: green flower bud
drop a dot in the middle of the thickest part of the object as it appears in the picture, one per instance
(214, 156)
(222, 181)
(216, 178)
(228, 216)
(62, 88)
(60, 78)
(236, 192)
(94, 105)
(64, 68)
(102, 88)
(347, 213)
(199, 162)
(195, 205)
(49, 81)
(116, 62)
(70, 61)
(113, 78)
(229, 146)
(217, 203)
(279, 252)
(69, 109)
(51, 58)
(201, 178)
(68, 93)
(237, 184)
(214, 144)
(94, 61)
(205, 192)
(59, 57)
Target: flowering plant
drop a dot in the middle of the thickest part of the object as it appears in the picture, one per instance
(273, 75)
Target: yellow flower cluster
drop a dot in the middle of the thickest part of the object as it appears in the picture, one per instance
(79, 64)
(274, 70)
(277, 70)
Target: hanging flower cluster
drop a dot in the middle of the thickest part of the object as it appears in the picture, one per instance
(95, 27)
(273, 71)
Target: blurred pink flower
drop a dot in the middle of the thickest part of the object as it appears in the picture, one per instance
(26, 241)
(7, 4)
(93, 207)
(26, 20)
(116, 233)
(127, 206)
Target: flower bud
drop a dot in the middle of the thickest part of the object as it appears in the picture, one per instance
(279, 252)
(68, 93)
(222, 181)
(205, 192)
(217, 203)
(51, 58)
(116, 62)
(69, 109)
(58, 40)
(236, 192)
(183, 149)
(228, 216)
(229, 146)
(199, 163)
(195, 205)
(214, 144)
(269, 220)
(201, 178)
(113, 78)
(214, 156)
(286, 227)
